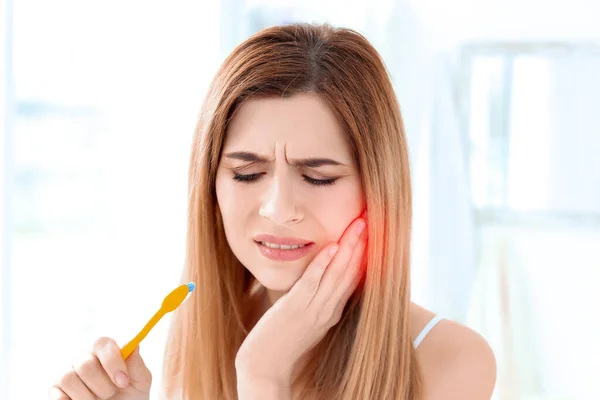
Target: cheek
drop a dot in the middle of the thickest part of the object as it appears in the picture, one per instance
(337, 207)
(226, 200)
(235, 213)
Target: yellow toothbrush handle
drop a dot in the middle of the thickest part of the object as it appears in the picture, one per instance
(130, 347)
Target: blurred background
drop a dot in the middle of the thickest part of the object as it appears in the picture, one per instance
(501, 101)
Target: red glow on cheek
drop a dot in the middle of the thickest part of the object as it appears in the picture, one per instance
(365, 238)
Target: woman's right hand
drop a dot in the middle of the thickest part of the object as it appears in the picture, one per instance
(105, 375)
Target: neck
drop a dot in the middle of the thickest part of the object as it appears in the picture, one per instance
(272, 296)
(260, 300)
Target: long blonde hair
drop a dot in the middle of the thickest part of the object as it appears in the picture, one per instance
(369, 354)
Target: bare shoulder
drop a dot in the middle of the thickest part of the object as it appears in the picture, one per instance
(456, 362)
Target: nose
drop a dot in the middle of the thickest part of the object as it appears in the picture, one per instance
(280, 204)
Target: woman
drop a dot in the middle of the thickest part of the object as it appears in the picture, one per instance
(301, 293)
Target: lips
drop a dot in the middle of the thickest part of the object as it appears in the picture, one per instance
(281, 254)
(278, 248)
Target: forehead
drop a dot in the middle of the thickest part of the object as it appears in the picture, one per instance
(303, 124)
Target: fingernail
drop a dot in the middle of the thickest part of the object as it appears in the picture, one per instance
(332, 251)
(359, 227)
(121, 379)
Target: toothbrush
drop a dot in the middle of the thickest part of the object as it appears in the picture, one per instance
(170, 303)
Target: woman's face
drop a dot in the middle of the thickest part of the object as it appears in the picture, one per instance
(286, 177)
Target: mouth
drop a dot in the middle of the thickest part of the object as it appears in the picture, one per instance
(283, 252)
(282, 246)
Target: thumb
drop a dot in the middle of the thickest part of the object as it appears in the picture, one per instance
(139, 374)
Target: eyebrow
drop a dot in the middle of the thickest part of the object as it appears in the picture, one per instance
(304, 162)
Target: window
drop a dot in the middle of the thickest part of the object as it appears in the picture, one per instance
(532, 124)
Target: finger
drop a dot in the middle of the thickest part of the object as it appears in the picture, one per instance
(339, 265)
(109, 355)
(354, 273)
(73, 386)
(92, 374)
(306, 287)
(139, 374)
(55, 393)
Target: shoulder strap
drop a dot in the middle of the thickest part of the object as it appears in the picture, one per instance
(433, 322)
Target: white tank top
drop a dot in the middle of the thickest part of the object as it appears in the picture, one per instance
(426, 330)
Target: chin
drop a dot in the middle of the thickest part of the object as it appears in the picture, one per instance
(280, 279)
(276, 284)
(277, 289)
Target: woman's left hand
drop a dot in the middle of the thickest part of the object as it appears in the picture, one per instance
(302, 317)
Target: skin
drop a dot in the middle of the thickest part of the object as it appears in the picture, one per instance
(456, 362)
(301, 299)
(280, 201)
(104, 374)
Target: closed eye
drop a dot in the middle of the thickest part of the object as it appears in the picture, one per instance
(249, 178)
